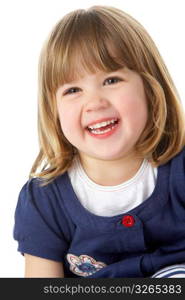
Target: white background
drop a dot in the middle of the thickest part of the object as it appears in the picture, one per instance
(24, 25)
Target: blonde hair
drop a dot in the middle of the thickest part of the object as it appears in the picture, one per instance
(105, 38)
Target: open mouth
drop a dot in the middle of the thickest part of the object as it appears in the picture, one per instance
(103, 127)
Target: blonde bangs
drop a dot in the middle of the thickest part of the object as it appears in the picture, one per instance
(84, 44)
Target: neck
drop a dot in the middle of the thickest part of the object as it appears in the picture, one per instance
(111, 172)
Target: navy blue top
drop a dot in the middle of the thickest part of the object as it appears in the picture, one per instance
(50, 222)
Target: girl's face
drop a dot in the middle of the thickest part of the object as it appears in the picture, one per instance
(103, 114)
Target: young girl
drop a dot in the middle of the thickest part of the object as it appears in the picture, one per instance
(106, 194)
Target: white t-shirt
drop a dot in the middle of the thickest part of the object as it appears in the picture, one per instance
(112, 200)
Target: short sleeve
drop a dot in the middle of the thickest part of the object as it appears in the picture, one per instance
(36, 225)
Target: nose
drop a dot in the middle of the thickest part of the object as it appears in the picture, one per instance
(96, 102)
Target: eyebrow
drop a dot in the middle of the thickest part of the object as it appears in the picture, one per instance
(102, 73)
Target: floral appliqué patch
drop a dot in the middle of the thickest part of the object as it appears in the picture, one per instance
(84, 265)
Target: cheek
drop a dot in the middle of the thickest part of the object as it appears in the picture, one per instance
(68, 117)
(134, 110)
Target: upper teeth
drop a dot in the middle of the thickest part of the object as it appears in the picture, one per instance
(98, 125)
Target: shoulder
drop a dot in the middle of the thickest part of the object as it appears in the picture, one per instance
(178, 160)
(41, 206)
(177, 170)
(41, 226)
(40, 195)
(32, 197)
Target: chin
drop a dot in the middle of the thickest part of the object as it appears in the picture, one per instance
(109, 157)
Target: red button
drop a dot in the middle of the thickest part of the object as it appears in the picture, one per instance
(128, 221)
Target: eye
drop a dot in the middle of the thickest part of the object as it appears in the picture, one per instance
(72, 90)
(112, 80)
